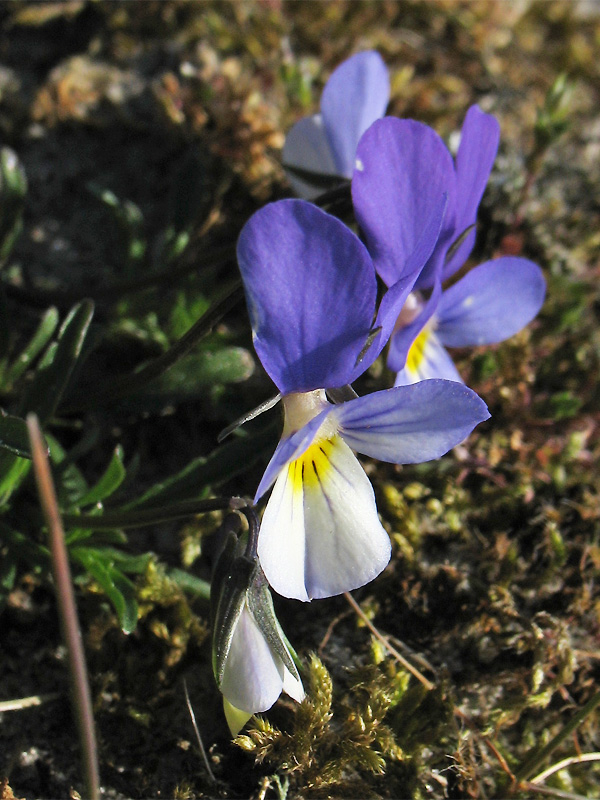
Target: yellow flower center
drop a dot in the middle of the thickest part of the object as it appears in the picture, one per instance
(312, 467)
(416, 353)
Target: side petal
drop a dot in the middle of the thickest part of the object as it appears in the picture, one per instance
(356, 94)
(477, 150)
(289, 449)
(253, 678)
(491, 303)
(345, 545)
(427, 358)
(411, 424)
(311, 289)
(307, 148)
(403, 170)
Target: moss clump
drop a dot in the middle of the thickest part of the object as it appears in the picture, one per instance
(338, 748)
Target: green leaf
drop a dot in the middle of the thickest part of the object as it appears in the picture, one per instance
(13, 188)
(37, 343)
(135, 564)
(94, 538)
(222, 464)
(13, 470)
(70, 483)
(23, 548)
(117, 587)
(191, 375)
(128, 217)
(109, 482)
(14, 436)
(190, 583)
(53, 373)
(186, 310)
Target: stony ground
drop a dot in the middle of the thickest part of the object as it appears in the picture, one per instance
(492, 590)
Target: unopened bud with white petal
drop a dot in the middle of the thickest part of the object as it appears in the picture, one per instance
(252, 661)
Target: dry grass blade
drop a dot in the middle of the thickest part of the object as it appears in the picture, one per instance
(67, 611)
(566, 762)
(27, 702)
(389, 647)
(197, 732)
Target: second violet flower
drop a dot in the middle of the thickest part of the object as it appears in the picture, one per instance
(311, 292)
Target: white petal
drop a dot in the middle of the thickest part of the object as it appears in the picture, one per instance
(346, 545)
(236, 719)
(427, 358)
(306, 147)
(253, 676)
(281, 541)
(292, 686)
(320, 533)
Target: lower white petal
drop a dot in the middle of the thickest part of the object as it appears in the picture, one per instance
(346, 545)
(320, 534)
(292, 686)
(253, 676)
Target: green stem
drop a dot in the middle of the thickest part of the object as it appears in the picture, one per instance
(530, 766)
(151, 516)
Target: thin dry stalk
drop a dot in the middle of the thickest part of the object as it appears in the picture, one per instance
(71, 632)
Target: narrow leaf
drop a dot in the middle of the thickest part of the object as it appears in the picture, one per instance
(14, 436)
(52, 378)
(109, 482)
(119, 589)
(38, 341)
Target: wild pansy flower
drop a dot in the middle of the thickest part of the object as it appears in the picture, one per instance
(356, 94)
(401, 164)
(252, 661)
(311, 292)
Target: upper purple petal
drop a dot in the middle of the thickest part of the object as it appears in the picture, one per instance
(411, 424)
(311, 289)
(477, 150)
(403, 169)
(492, 302)
(356, 94)
(395, 297)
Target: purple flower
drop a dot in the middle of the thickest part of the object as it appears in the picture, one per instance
(311, 293)
(356, 94)
(401, 166)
